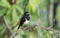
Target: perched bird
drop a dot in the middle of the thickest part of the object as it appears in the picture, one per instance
(25, 19)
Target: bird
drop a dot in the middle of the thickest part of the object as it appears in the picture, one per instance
(24, 19)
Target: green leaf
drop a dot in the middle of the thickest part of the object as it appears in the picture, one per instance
(2, 11)
(8, 16)
(14, 17)
(4, 3)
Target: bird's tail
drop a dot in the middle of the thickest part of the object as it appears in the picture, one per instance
(20, 25)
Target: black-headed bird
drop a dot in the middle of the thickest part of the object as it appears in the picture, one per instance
(25, 19)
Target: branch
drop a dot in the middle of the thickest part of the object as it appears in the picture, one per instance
(50, 14)
(25, 28)
(15, 33)
(31, 27)
(48, 29)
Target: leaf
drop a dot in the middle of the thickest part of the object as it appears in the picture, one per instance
(2, 31)
(19, 9)
(2, 11)
(14, 17)
(8, 16)
(4, 3)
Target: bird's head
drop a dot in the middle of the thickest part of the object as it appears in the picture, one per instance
(26, 13)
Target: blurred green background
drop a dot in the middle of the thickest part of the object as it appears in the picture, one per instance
(42, 16)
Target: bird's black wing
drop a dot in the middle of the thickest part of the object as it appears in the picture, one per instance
(21, 22)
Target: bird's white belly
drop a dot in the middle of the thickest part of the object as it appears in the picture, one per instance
(26, 21)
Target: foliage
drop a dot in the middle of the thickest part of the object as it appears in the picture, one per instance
(12, 14)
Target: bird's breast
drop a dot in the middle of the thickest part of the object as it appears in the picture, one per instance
(26, 22)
